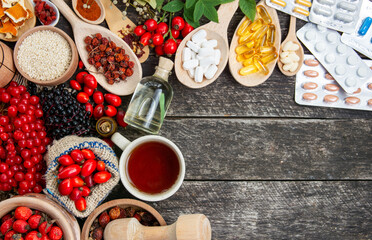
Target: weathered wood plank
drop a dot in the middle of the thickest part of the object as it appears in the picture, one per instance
(274, 210)
(248, 149)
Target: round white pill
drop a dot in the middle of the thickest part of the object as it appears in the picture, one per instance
(340, 70)
(341, 49)
(330, 58)
(350, 82)
(352, 60)
(199, 36)
(320, 47)
(310, 35)
(362, 72)
(332, 37)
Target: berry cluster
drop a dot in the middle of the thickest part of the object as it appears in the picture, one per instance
(154, 34)
(64, 115)
(23, 140)
(79, 171)
(44, 12)
(25, 224)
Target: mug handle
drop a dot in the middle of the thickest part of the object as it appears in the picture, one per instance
(120, 140)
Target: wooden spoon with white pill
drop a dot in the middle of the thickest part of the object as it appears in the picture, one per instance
(287, 62)
(214, 31)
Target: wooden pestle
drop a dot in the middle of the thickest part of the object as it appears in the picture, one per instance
(187, 227)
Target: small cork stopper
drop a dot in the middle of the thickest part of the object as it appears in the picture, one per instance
(165, 63)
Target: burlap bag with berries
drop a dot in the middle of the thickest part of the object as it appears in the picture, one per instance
(99, 192)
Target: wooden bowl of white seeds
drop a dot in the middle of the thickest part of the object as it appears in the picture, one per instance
(46, 55)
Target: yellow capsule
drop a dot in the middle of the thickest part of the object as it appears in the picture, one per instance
(268, 58)
(249, 54)
(248, 70)
(270, 35)
(243, 27)
(260, 42)
(259, 33)
(250, 44)
(266, 50)
(304, 3)
(248, 62)
(256, 25)
(263, 14)
(279, 2)
(241, 49)
(301, 11)
(260, 66)
(240, 58)
(245, 38)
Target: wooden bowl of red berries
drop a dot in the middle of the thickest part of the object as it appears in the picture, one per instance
(95, 224)
(34, 216)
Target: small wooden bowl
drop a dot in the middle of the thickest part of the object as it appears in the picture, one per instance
(121, 203)
(69, 71)
(64, 220)
(52, 24)
(99, 20)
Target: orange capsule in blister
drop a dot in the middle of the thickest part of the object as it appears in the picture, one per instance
(263, 14)
(264, 50)
(260, 66)
(259, 33)
(248, 70)
(270, 35)
(309, 96)
(245, 38)
(279, 2)
(243, 27)
(256, 25)
(301, 11)
(304, 3)
(330, 98)
(242, 49)
(269, 58)
(249, 54)
(352, 100)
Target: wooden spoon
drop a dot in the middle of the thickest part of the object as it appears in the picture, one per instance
(216, 31)
(254, 79)
(291, 36)
(187, 227)
(81, 30)
(99, 20)
(115, 22)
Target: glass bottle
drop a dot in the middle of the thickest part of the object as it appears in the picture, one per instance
(151, 99)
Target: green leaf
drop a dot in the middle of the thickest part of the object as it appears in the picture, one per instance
(174, 6)
(152, 3)
(198, 11)
(248, 7)
(187, 15)
(216, 2)
(159, 4)
(210, 13)
(141, 2)
(190, 3)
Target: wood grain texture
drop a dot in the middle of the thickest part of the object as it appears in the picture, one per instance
(274, 210)
(241, 149)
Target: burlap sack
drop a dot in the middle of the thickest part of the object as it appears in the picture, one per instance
(98, 192)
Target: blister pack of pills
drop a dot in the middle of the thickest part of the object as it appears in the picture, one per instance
(316, 87)
(340, 15)
(298, 8)
(340, 60)
(361, 38)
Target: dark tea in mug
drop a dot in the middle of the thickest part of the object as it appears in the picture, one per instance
(153, 167)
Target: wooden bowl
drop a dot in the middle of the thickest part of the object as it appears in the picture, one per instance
(64, 220)
(69, 71)
(100, 18)
(7, 68)
(121, 203)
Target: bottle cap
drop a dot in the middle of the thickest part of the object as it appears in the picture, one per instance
(165, 63)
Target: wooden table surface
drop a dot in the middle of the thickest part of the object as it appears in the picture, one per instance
(258, 165)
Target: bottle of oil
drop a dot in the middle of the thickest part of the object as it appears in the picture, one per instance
(151, 99)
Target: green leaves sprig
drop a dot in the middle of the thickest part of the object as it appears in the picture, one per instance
(193, 10)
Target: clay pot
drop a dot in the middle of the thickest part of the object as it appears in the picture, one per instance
(121, 203)
(64, 220)
(7, 68)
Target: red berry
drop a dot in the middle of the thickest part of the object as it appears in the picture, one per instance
(162, 28)
(110, 111)
(170, 47)
(187, 29)
(150, 25)
(90, 81)
(22, 213)
(45, 227)
(21, 226)
(145, 39)
(81, 204)
(81, 64)
(75, 85)
(88, 90)
(157, 39)
(178, 23)
(175, 33)
(34, 221)
(82, 97)
(159, 50)
(139, 31)
(80, 76)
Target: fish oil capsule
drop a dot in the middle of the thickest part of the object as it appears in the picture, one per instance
(249, 54)
(269, 58)
(240, 58)
(243, 27)
(266, 50)
(270, 35)
(279, 2)
(263, 14)
(248, 62)
(250, 44)
(301, 11)
(260, 32)
(260, 66)
(304, 3)
(248, 70)
(242, 49)
(256, 25)
(245, 38)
